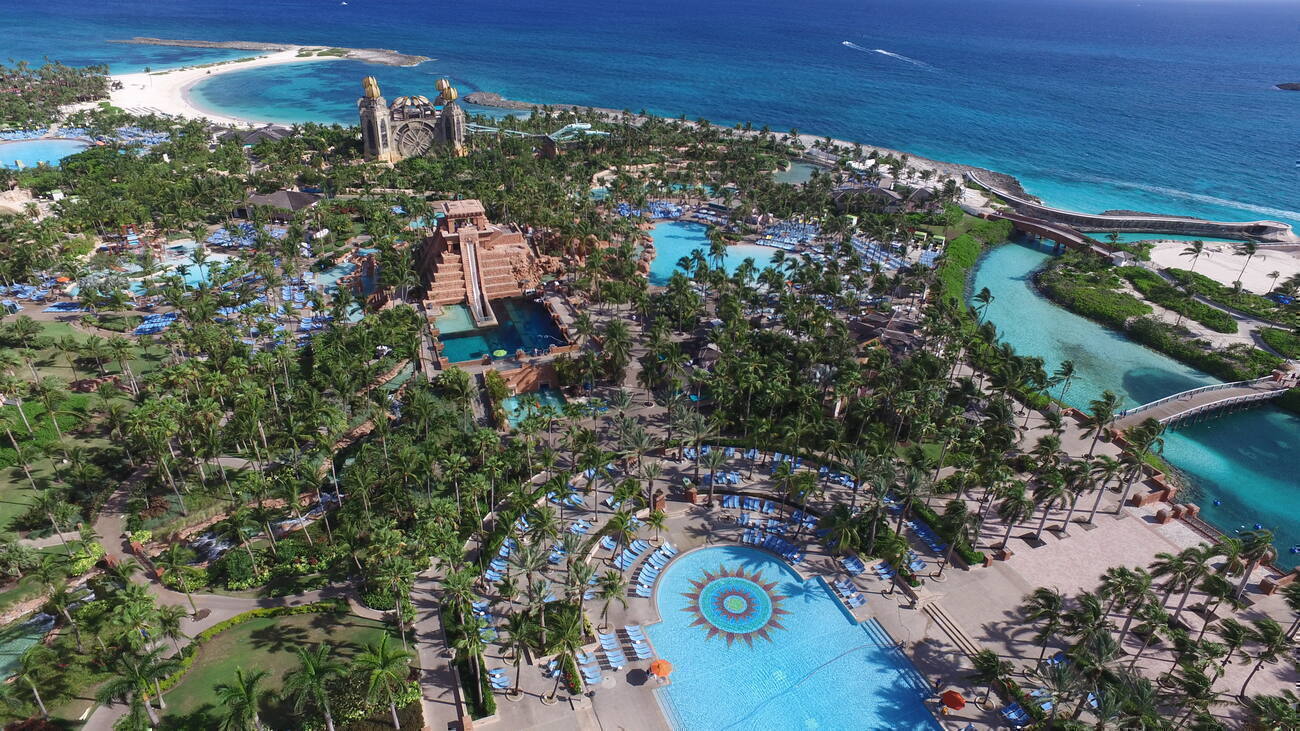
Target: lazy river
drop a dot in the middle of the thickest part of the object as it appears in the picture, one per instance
(1241, 461)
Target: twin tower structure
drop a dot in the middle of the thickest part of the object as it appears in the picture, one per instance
(412, 125)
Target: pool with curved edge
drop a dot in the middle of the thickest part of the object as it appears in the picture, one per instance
(676, 239)
(754, 646)
(32, 152)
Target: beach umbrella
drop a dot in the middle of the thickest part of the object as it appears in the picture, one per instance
(63, 280)
(499, 353)
(953, 700)
(661, 668)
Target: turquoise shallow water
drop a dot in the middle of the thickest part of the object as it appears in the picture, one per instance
(31, 152)
(1243, 460)
(676, 239)
(523, 324)
(817, 670)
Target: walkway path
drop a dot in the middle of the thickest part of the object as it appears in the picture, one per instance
(1203, 400)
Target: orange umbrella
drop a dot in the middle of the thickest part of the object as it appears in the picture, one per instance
(63, 280)
(661, 668)
(953, 700)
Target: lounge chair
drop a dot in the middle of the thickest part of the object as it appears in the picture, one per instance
(642, 651)
(585, 658)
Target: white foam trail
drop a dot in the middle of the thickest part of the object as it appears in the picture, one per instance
(901, 57)
(891, 54)
(1198, 197)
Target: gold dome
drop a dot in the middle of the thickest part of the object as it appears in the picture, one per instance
(442, 84)
(370, 85)
(410, 101)
(450, 94)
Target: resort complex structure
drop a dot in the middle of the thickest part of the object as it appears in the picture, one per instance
(412, 125)
(469, 260)
(614, 421)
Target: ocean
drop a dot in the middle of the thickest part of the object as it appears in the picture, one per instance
(1159, 105)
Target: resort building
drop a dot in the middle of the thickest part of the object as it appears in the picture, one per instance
(471, 260)
(412, 126)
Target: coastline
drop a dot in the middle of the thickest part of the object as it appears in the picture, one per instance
(169, 92)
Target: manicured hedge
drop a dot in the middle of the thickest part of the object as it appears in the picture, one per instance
(1155, 288)
(1283, 341)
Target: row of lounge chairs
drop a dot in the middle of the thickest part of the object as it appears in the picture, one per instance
(629, 556)
(649, 573)
(722, 478)
(752, 504)
(849, 593)
(929, 537)
(776, 544)
(572, 500)
(153, 324)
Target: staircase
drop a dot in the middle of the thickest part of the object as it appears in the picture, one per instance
(952, 629)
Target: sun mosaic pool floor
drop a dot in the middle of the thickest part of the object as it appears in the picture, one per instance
(754, 646)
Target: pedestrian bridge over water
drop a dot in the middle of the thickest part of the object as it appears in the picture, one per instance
(1203, 400)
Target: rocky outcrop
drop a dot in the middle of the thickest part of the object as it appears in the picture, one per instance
(1289, 87)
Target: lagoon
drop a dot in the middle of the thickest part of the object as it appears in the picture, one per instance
(1240, 460)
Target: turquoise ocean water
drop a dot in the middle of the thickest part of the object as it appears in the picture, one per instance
(1242, 460)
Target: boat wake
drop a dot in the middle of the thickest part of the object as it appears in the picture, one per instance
(1190, 196)
(891, 54)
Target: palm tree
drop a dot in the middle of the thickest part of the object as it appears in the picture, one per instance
(385, 670)
(1272, 644)
(1101, 412)
(611, 587)
(1257, 547)
(1247, 249)
(242, 698)
(33, 666)
(990, 670)
(1046, 607)
(1015, 507)
(520, 630)
(566, 640)
(309, 682)
(1195, 249)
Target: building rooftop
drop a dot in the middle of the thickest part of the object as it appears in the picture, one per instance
(461, 208)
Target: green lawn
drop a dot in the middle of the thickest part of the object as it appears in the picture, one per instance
(29, 586)
(269, 644)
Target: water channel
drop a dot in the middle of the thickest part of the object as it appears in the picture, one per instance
(1237, 466)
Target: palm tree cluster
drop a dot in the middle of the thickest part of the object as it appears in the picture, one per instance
(32, 95)
(1150, 647)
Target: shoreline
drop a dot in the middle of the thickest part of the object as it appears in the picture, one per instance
(168, 92)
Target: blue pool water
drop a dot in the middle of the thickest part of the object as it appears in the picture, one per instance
(522, 324)
(1241, 460)
(454, 319)
(676, 239)
(32, 152)
(806, 664)
(796, 174)
(519, 407)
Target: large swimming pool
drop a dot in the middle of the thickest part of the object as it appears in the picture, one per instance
(676, 239)
(753, 646)
(32, 152)
(523, 324)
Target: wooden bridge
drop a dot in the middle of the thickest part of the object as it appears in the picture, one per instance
(1203, 400)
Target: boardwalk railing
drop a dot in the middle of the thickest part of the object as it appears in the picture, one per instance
(1222, 404)
(1192, 392)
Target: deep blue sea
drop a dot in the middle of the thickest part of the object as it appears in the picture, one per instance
(1163, 105)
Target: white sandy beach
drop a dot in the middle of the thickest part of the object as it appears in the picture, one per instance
(1220, 262)
(168, 92)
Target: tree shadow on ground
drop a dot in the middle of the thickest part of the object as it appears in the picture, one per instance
(279, 638)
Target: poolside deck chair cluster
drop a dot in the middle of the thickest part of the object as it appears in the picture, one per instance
(849, 593)
(486, 620)
(153, 324)
(873, 253)
(752, 504)
(497, 568)
(580, 527)
(808, 520)
(853, 565)
(1016, 715)
(572, 500)
(789, 235)
(775, 544)
(499, 678)
(722, 478)
(629, 556)
(884, 571)
(778, 458)
(650, 570)
(915, 562)
(927, 536)
(653, 209)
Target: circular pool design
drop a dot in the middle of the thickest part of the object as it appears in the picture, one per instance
(735, 605)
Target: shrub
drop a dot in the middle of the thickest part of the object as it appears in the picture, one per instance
(86, 558)
(1248, 302)
(1086, 286)
(572, 678)
(1234, 363)
(1290, 401)
(958, 259)
(1155, 288)
(234, 570)
(1283, 341)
